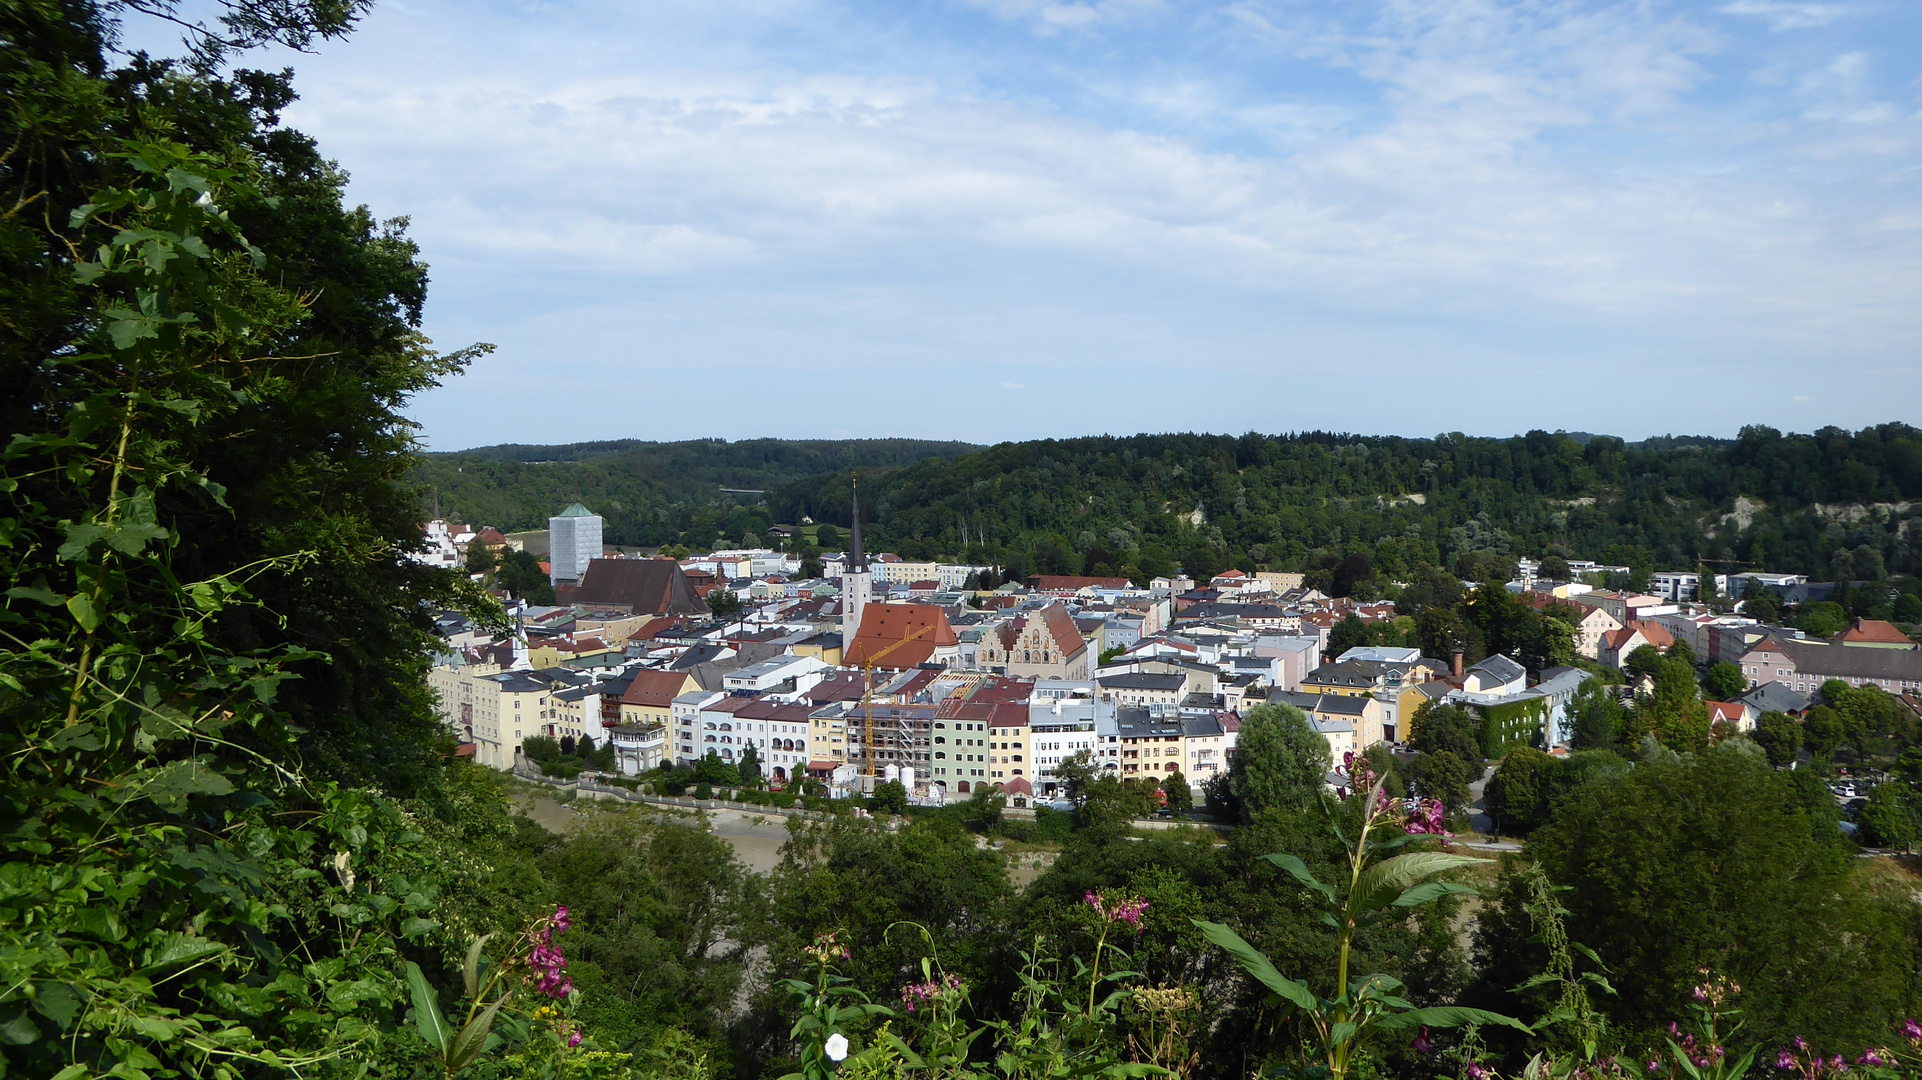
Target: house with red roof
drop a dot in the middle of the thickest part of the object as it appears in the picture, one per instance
(1045, 645)
(887, 625)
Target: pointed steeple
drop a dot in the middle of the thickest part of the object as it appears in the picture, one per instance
(857, 559)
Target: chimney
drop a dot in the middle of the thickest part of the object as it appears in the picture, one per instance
(1458, 663)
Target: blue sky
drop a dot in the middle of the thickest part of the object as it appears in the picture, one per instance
(1005, 219)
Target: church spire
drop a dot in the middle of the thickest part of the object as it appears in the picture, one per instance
(857, 559)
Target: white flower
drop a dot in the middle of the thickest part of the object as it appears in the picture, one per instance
(837, 1046)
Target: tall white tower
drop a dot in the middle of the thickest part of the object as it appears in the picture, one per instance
(857, 583)
(573, 541)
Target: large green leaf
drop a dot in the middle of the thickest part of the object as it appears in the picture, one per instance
(1423, 893)
(1381, 883)
(470, 967)
(1442, 1016)
(1257, 964)
(1300, 870)
(427, 1018)
(472, 1039)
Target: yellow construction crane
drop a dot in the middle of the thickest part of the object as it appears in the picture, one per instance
(867, 696)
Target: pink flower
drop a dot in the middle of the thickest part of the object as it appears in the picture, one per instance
(1420, 1045)
(561, 921)
(1785, 1060)
(573, 1039)
(1654, 1066)
(1839, 1063)
(1871, 1058)
(1912, 1031)
(1475, 1072)
(1801, 1043)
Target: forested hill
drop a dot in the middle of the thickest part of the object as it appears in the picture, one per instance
(649, 492)
(1811, 503)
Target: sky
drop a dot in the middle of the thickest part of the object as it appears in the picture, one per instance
(1013, 219)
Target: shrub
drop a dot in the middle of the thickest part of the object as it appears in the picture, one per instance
(704, 790)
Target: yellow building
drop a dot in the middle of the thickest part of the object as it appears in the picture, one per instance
(649, 700)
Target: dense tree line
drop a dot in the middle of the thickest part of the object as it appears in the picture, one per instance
(1354, 510)
(1357, 509)
(649, 493)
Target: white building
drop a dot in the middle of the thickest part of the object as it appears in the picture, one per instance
(1679, 585)
(573, 541)
(441, 551)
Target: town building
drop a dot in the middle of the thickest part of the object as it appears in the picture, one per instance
(573, 542)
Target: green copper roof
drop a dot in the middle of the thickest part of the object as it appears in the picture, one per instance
(577, 510)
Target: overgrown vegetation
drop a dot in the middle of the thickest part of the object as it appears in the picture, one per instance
(236, 843)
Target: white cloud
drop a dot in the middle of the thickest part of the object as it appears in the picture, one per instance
(1784, 15)
(1479, 187)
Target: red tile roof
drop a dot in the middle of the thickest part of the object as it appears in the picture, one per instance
(884, 625)
(656, 689)
(1874, 632)
(1061, 628)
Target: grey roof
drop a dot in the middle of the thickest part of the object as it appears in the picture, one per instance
(1343, 705)
(519, 682)
(1859, 661)
(1501, 668)
(698, 653)
(565, 675)
(1304, 702)
(1201, 726)
(1775, 697)
(1141, 724)
(1143, 680)
(1347, 673)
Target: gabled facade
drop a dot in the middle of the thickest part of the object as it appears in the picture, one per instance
(1047, 646)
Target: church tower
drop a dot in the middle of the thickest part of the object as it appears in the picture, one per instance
(857, 584)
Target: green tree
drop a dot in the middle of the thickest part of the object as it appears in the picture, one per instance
(1347, 634)
(521, 575)
(1517, 796)
(1823, 620)
(1889, 820)
(1596, 718)
(1737, 868)
(662, 919)
(749, 766)
(713, 771)
(1822, 731)
(1180, 798)
(1280, 761)
(1448, 728)
(1442, 775)
(725, 603)
(1077, 773)
(1724, 682)
(1760, 604)
(481, 560)
(1554, 568)
(1907, 609)
(1779, 736)
(983, 810)
(890, 797)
